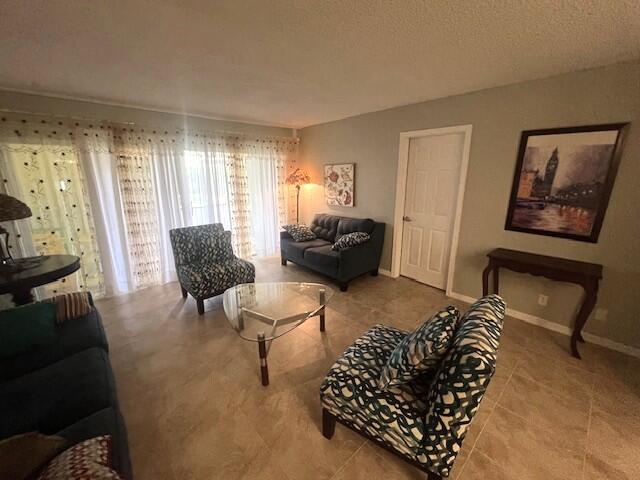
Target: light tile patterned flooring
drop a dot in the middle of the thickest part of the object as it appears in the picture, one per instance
(190, 392)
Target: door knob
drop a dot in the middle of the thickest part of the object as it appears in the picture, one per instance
(407, 219)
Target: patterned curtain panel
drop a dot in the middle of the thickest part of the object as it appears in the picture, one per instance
(48, 178)
(239, 205)
(137, 194)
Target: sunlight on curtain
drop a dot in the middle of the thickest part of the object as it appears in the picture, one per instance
(208, 192)
(268, 209)
(49, 179)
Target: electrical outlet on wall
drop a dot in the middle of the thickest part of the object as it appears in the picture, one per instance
(543, 300)
(601, 314)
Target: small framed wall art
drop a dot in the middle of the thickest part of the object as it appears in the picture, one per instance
(339, 184)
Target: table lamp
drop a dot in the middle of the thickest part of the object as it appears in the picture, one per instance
(298, 177)
(10, 209)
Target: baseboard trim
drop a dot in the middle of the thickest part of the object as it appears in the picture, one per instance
(556, 327)
(384, 272)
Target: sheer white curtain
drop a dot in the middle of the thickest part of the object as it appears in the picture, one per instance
(172, 201)
(266, 173)
(111, 193)
(97, 158)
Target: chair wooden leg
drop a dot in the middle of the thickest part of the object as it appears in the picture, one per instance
(200, 304)
(283, 261)
(344, 286)
(328, 424)
(184, 292)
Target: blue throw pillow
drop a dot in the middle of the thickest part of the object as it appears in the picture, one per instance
(350, 240)
(421, 351)
(24, 328)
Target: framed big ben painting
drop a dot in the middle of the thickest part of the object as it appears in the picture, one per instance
(563, 180)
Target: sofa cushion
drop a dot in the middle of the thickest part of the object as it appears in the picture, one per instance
(461, 382)
(323, 257)
(299, 232)
(204, 281)
(23, 329)
(325, 226)
(73, 336)
(422, 350)
(107, 421)
(53, 397)
(351, 225)
(350, 240)
(350, 392)
(295, 250)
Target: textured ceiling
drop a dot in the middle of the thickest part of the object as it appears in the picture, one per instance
(297, 63)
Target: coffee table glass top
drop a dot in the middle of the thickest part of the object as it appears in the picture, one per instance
(273, 309)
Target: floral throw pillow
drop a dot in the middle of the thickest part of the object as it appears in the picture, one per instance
(299, 233)
(421, 351)
(350, 240)
(90, 459)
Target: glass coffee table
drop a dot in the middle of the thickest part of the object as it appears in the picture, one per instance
(262, 312)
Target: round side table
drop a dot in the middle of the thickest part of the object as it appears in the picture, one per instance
(36, 271)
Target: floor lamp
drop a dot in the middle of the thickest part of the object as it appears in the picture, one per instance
(298, 177)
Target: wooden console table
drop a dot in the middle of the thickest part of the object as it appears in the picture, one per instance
(587, 275)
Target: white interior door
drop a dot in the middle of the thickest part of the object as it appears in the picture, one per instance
(433, 173)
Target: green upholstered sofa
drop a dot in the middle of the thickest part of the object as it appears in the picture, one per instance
(65, 388)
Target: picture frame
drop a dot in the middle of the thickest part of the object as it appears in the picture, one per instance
(563, 180)
(339, 184)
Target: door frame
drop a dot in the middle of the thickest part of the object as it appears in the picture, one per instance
(401, 189)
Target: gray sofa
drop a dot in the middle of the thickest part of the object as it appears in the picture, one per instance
(341, 266)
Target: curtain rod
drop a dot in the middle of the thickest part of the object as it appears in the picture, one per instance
(115, 122)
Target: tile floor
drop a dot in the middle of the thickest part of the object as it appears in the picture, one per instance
(190, 392)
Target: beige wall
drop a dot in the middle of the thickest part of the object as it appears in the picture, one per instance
(22, 102)
(605, 95)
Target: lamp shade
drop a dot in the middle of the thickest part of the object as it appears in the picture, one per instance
(298, 177)
(12, 209)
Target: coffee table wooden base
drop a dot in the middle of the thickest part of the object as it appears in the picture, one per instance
(264, 367)
(262, 312)
(265, 345)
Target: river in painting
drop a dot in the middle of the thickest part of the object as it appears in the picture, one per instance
(555, 218)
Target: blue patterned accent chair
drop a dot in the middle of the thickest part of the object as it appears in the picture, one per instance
(205, 263)
(424, 420)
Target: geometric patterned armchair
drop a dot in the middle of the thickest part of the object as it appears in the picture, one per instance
(205, 263)
(425, 420)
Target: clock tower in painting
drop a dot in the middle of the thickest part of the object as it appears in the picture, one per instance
(543, 186)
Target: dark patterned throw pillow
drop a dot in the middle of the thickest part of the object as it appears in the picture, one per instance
(421, 351)
(350, 240)
(299, 233)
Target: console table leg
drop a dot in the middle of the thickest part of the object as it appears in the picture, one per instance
(485, 280)
(262, 350)
(496, 280)
(590, 299)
